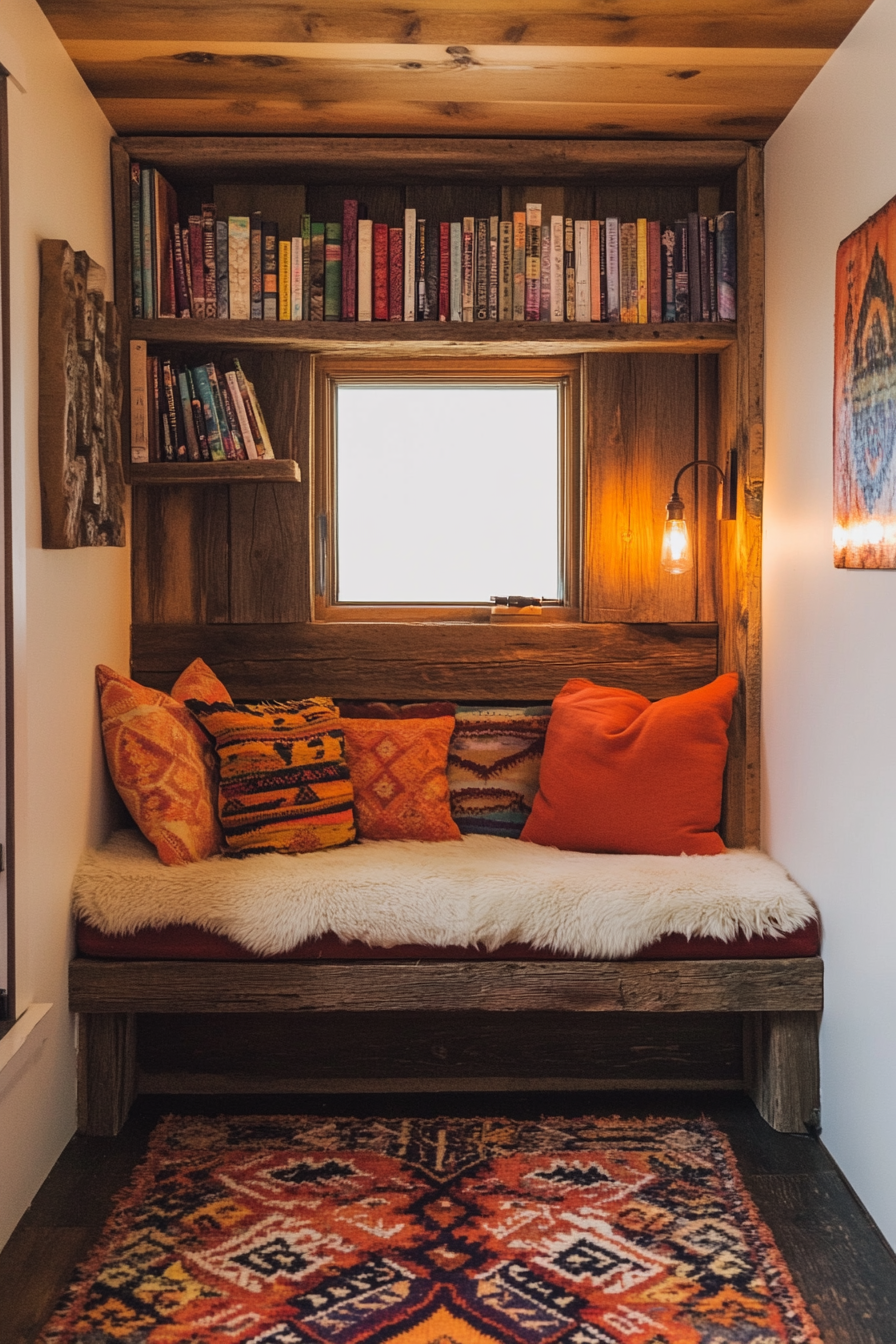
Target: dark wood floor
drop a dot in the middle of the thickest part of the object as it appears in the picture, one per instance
(844, 1269)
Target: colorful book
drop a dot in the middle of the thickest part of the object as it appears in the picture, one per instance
(136, 242)
(533, 261)
(175, 423)
(398, 290)
(182, 298)
(654, 273)
(284, 280)
(163, 252)
(594, 267)
(519, 265)
(349, 311)
(247, 392)
(612, 264)
(628, 272)
(186, 402)
(704, 269)
(231, 417)
(468, 269)
(667, 262)
(153, 430)
(431, 269)
(365, 270)
(222, 267)
(726, 265)
(505, 271)
(420, 306)
(256, 290)
(444, 271)
(231, 450)
(198, 418)
(557, 280)
(238, 268)
(239, 407)
(409, 243)
(306, 267)
(545, 311)
(197, 264)
(713, 280)
(455, 279)
(188, 265)
(146, 242)
(139, 403)
(208, 260)
(695, 301)
(259, 419)
(381, 272)
(480, 271)
(318, 260)
(569, 270)
(641, 243)
(583, 270)
(270, 261)
(333, 272)
(603, 271)
(295, 279)
(493, 224)
(682, 287)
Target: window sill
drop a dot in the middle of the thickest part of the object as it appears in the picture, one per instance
(32, 1028)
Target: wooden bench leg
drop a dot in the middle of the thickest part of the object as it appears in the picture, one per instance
(107, 1071)
(781, 1068)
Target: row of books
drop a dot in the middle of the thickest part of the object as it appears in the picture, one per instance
(204, 413)
(475, 269)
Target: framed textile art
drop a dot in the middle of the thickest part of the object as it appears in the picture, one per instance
(865, 396)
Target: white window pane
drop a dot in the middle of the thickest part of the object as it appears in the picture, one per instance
(447, 493)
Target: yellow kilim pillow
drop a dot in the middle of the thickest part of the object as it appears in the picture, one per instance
(284, 784)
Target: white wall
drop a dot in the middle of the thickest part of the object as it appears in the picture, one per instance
(71, 607)
(829, 654)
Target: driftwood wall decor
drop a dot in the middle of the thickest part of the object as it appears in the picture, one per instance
(81, 482)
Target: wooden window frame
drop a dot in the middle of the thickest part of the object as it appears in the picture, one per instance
(331, 370)
(6, 690)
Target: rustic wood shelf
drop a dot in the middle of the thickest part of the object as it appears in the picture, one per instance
(215, 473)
(684, 338)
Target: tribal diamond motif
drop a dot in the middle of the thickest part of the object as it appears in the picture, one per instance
(309, 1230)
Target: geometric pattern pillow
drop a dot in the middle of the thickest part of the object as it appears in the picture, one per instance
(284, 782)
(163, 767)
(493, 765)
(198, 682)
(398, 773)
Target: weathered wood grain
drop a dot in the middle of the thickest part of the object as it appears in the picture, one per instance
(266, 470)
(268, 543)
(780, 986)
(107, 1082)
(392, 661)
(781, 1068)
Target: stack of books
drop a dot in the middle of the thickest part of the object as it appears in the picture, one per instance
(526, 269)
(203, 413)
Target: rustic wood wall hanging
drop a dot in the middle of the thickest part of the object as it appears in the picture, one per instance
(81, 481)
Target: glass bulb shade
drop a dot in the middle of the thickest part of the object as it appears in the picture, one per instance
(676, 556)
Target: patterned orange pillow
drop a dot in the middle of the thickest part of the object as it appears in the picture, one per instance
(398, 769)
(163, 766)
(198, 682)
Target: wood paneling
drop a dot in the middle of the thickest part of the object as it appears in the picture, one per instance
(786, 985)
(107, 1082)
(411, 662)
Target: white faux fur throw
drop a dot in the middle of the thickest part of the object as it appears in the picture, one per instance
(482, 891)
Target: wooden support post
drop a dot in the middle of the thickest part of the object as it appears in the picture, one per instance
(781, 1068)
(107, 1071)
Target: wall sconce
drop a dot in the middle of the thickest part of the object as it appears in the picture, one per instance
(676, 556)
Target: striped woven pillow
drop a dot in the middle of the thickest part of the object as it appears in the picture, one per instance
(493, 765)
(285, 784)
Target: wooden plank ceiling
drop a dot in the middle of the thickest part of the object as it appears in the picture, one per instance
(607, 68)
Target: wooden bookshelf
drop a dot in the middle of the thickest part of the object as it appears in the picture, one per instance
(215, 473)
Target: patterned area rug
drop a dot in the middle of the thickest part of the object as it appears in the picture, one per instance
(308, 1230)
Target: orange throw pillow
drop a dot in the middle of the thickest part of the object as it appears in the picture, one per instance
(399, 774)
(163, 765)
(623, 776)
(198, 682)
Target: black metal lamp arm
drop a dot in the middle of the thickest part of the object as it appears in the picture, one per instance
(675, 507)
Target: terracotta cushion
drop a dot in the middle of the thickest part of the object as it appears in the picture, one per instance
(398, 774)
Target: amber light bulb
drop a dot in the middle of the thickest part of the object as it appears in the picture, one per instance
(676, 556)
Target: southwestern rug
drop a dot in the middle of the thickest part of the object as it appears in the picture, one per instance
(310, 1230)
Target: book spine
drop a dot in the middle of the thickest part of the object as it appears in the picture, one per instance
(695, 301)
(398, 292)
(239, 407)
(519, 265)
(146, 241)
(180, 275)
(213, 436)
(603, 270)
(682, 287)
(433, 262)
(178, 439)
(594, 267)
(713, 278)
(704, 269)
(256, 291)
(222, 267)
(583, 270)
(612, 252)
(259, 420)
(186, 404)
(349, 261)
(545, 309)
(628, 272)
(160, 246)
(152, 407)
(381, 272)
(444, 271)
(284, 280)
(139, 403)
(136, 243)
(505, 271)
(270, 249)
(480, 271)
(365, 270)
(533, 262)
(456, 271)
(468, 269)
(208, 260)
(197, 265)
(333, 273)
(198, 418)
(188, 265)
(726, 265)
(493, 224)
(230, 415)
(166, 441)
(318, 259)
(569, 270)
(410, 265)
(295, 279)
(238, 267)
(306, 267)
(249, 404)
(654, 273)
(667, 246)
(641, 244)
(420, 306)
(556, 278)
(231, 452)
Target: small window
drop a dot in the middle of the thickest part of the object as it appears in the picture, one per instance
(443, 486)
